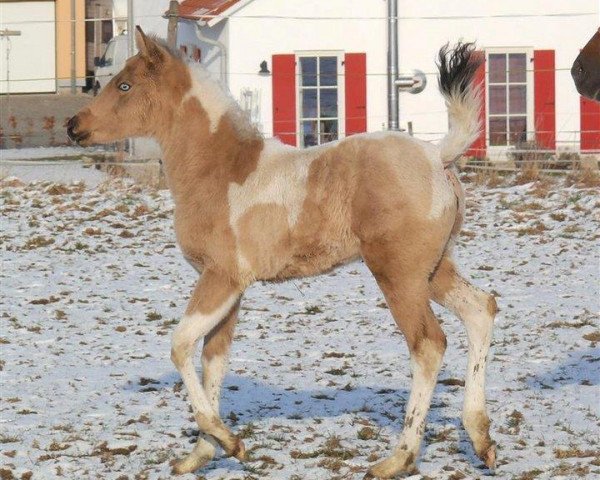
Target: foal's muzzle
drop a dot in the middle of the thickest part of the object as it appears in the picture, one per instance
(73, 133)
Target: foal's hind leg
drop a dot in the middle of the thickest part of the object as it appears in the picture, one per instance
(406, 292)
(477, 309)
(214, 364)
(213, 299)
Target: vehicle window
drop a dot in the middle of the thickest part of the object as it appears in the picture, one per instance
(109, 54)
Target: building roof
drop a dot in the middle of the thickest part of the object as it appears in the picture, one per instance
(205, 10)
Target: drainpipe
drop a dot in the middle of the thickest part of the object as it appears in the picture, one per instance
(414, 83)
(392, 69)
(220, 46)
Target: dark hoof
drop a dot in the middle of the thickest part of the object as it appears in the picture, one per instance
(238, 451)
(488, 456)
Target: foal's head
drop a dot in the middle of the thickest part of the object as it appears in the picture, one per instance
(137, 101)
(586, 69)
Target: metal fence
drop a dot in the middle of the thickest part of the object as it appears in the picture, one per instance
(49, 128)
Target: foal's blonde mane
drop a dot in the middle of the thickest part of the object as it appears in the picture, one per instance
(221, 98)
(219, 95)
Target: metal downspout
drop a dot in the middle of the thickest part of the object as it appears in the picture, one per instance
(396, 83)
(392, 67)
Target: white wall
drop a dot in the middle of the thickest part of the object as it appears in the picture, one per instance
(252, 40)
(148, 15)
(32, 54)
(212, 58)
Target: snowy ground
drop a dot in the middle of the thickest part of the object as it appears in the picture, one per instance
(92, 284)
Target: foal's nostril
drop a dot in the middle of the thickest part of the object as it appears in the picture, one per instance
(71, 125)
(72, 122)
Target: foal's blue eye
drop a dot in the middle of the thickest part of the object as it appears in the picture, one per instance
(124, 87)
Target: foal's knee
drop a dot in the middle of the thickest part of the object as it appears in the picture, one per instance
(428, 352)
(182, 347)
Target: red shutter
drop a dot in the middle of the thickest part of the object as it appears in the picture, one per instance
(590, 124)
(478, 148)
(544, 103)
(284, 98)
(356, 92)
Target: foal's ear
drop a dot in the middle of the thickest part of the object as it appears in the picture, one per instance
(148, 48)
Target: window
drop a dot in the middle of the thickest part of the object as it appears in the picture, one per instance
(508, 97)
(320, 98)
(109, 54)
(107, 31)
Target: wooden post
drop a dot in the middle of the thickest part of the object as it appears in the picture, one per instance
(173, 19)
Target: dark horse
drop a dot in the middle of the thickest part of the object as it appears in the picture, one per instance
(586, 69)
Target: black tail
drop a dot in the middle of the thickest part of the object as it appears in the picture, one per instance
(457, 67)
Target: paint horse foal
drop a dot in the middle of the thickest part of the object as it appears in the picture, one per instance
(586, 69)
(250, 209)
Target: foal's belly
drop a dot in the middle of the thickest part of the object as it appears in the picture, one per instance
(308, 265)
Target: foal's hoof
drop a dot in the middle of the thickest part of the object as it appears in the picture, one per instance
(396, 465)
(238, 451)
(488, 456)
(189, 464)
(203, 453)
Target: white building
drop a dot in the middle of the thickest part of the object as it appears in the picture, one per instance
(325, 74)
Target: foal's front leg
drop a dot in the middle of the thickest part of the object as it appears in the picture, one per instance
(212, 302)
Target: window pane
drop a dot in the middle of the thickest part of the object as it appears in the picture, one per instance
(497, 67)
(518, 130)
(328, 71)
(329, 130)
(308, 71)
(107, 31)
(498, 131)
(309, 103)
(497, 99)
(329, 104)
(309, 133)
(517, 66)
(517, 99)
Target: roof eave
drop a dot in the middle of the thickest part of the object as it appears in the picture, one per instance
(228, 13)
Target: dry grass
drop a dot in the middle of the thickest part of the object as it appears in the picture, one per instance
(487, 178)
(575, 453)
(584, 178)
(528, 174)
(530, 475)
(592, 337)
(535, 229)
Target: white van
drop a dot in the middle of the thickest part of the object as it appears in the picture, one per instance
(111, 62)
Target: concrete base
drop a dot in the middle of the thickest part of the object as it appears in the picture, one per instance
(37, 120)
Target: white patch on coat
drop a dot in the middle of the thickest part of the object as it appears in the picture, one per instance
(470, 304)
(213, 372)
(184, 341)
(465, 124)
(211, 95)
(442, 191)
(280, 178)
(425, 370)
